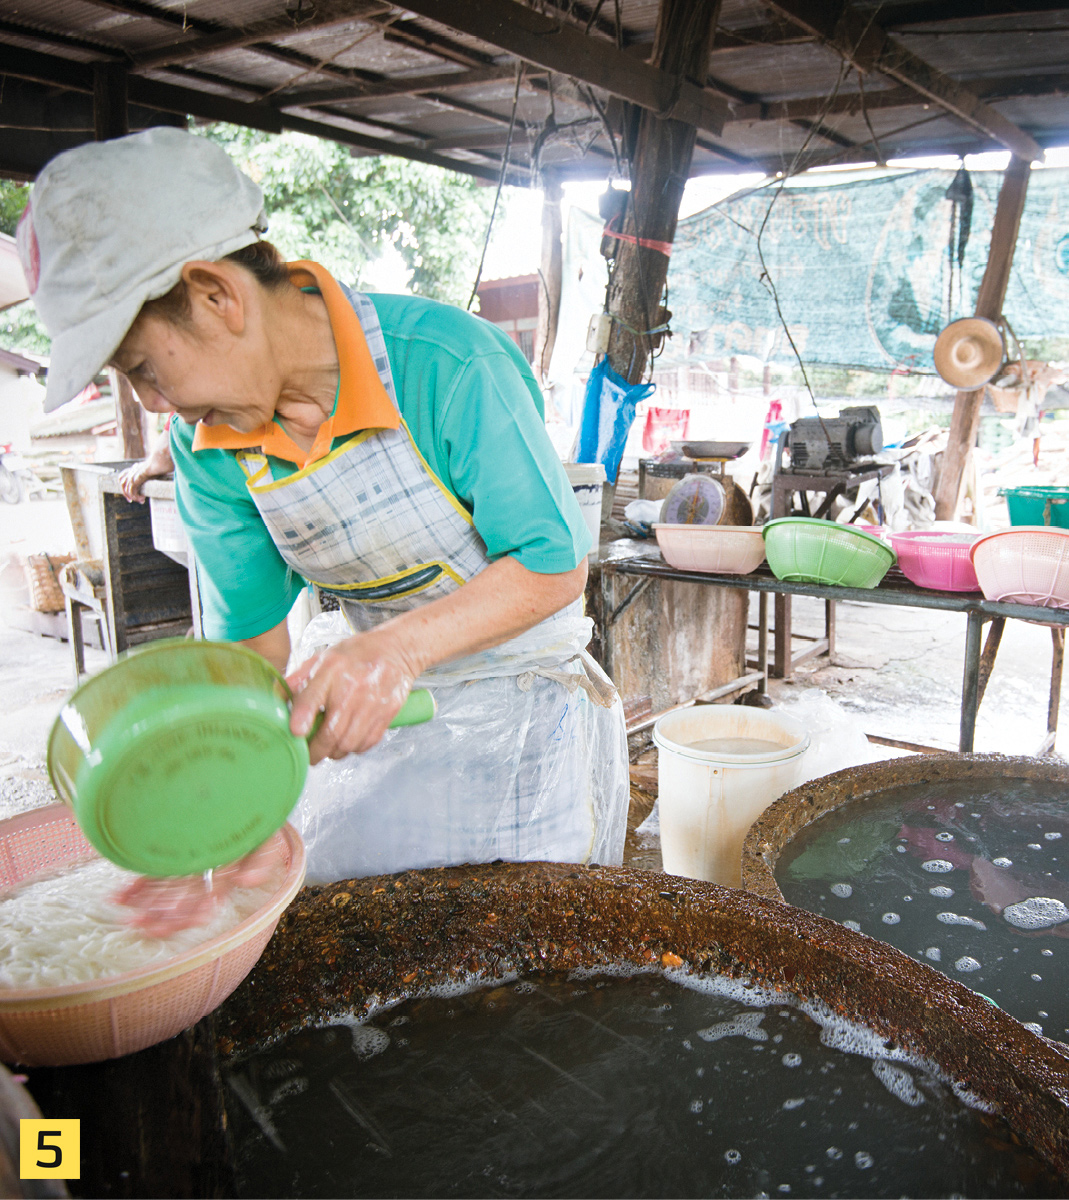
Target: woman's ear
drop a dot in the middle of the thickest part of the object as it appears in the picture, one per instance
(215, 295)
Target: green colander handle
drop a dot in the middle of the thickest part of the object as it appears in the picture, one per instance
(419, 707)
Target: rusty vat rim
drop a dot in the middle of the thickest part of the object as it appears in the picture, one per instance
(794, 810)
(360, 945)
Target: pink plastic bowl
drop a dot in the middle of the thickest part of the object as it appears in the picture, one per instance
(1028, 564)
(937, 559)
(87, 1022)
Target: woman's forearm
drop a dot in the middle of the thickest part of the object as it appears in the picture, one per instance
(499, 603)
(361, 683)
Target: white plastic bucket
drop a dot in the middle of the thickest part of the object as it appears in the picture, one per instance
(588, 483)
(708, 799)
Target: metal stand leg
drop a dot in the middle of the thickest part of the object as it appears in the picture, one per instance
(1057, 635)
(829, 626)
(762, 641)
(987, 659)
(783, 667)
(970, 682)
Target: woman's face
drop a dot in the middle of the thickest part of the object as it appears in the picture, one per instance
(218, 368)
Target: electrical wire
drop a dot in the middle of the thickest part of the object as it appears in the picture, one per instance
(500, 183)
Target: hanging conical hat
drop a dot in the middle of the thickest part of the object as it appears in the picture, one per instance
(969, 352)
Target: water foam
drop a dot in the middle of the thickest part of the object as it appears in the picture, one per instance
(966, 964)
(891, 918)
(949, 918)
(941, 893)
(1037, 912)
(745, 1025)
(1052, 837)
(898, 1081)
(842, 890)
(368, 1040)
(937, 866)
(1002, 862)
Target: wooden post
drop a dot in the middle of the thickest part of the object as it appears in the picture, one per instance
(965, 423)
(111, 120)
(660, 153)
(110, 117)
(550, 283)
(129, 416)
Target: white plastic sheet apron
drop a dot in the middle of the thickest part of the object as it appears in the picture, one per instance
(527, 757)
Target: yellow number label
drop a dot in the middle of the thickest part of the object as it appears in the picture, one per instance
(50, 1149)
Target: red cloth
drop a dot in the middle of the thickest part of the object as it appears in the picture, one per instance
(664, 425)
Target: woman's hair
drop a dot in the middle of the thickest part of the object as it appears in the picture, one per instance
(260, 259)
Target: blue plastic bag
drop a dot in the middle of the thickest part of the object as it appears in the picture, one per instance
(608, 413)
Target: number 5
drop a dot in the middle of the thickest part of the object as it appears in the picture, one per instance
(56, 1151)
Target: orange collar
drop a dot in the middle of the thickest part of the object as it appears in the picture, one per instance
(363, 402)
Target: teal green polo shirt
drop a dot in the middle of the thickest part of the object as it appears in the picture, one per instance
(473, 407)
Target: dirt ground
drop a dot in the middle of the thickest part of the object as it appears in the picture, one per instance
(898, 670)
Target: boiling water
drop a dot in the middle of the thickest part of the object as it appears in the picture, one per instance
(609, 1087)
(970, 877)
(736, 745)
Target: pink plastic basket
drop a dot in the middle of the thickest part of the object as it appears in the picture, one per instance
(936, 559)
(1028, 564)
(87, 1022)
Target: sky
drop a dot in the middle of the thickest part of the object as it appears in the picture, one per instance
(516, 238)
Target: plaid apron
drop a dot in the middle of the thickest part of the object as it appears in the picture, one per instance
(371, 524)
(520, 763)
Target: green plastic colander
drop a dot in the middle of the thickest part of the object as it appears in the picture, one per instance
(179, 758)
(808, 550)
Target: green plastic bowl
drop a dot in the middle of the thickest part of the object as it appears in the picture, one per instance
(179, 758)
(807, 550)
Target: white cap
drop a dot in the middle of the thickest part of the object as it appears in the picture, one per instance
(110, 225)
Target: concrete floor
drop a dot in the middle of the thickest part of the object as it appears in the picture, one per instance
(897, 669)
(35, 672)
(900, 671)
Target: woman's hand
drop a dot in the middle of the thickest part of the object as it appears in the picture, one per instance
(359, 685)
(158, 463)
(162, 906)
(131, 481)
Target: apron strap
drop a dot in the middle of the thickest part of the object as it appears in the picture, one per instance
(255, 466)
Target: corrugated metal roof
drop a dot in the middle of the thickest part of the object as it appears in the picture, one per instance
(329, 64)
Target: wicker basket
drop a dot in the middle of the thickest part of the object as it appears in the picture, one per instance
(42, 571)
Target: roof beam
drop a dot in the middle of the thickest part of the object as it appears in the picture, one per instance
(865, 44)
(776, 34)
(931, 12)
(854, 103)
(559, 46)
(255, 31)
(54, 38)
(413, 85)
(164, 97)
(410, 34)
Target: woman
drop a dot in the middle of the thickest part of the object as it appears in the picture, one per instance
(390, 450)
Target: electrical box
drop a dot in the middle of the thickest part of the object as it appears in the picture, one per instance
(597, 334)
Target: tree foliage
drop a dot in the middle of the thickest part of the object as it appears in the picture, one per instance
(13, 197)
(20, 328)
(324, 204)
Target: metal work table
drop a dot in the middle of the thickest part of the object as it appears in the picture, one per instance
(895, 589)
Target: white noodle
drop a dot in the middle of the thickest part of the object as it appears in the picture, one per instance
(64, 928)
